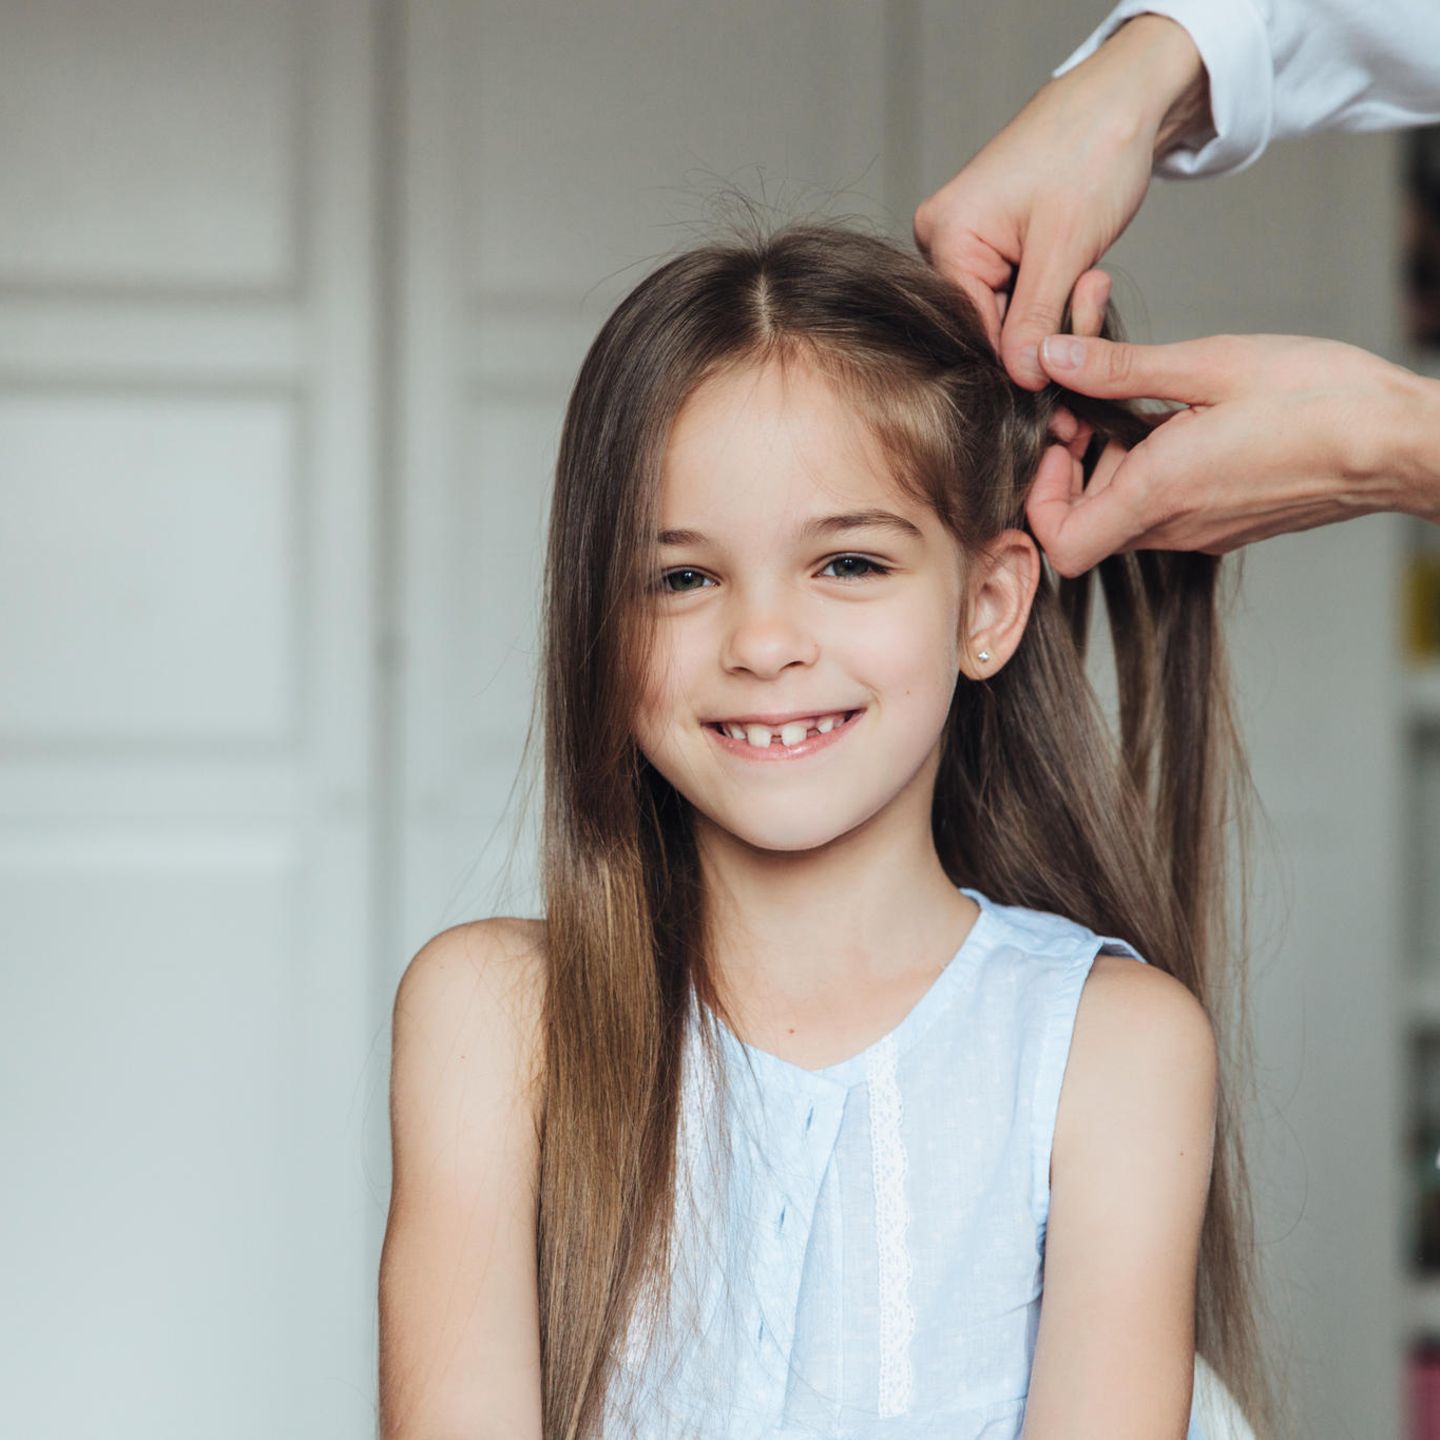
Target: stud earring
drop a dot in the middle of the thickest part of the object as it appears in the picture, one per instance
(983, 655)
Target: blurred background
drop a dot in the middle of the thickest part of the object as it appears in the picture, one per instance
(291, 298)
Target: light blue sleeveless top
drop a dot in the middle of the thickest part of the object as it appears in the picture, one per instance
(862, 1258)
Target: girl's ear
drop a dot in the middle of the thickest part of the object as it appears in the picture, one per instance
(1001, 587)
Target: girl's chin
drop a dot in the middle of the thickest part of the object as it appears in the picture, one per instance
(781, 832)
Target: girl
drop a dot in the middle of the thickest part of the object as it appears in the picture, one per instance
(762, 1132)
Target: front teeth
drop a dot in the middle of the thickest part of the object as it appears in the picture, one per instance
(791, 734)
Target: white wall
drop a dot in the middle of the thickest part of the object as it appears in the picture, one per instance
(187, 474)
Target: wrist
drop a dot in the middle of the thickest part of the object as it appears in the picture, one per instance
(1400, 466)
(1164, 77)
(1416, 446)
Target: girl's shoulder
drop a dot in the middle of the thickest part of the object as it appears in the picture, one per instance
(500, 948)
(1095, 990)
(1114, 982)
(1046, 936)
(479, 985)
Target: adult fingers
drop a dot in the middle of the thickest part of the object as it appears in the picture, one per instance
(1087, 302)
(1087, 315)
(1047, 275)
(1078, 530)
(1075, 435)
(1058, 478)
(1061, 475)
(1079, 442)
(1191, 371)
(1063, 425)
(988, 302)
(1111, 459)
(966, 259)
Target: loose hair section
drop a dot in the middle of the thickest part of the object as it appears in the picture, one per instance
(1035, 801)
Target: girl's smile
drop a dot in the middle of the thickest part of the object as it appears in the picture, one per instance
(791, 741)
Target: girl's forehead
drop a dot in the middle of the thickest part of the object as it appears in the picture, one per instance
(772, 432)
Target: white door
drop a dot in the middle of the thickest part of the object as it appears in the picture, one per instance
(186, 716)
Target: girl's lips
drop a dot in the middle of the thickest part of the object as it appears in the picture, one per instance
(775, 750)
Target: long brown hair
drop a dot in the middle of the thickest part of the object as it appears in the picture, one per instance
(1036, 801)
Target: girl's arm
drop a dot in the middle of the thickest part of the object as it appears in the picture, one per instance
(1129, 1175)
(459, 1317)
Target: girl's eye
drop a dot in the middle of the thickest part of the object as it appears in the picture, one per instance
(669, 575)
(872, 567)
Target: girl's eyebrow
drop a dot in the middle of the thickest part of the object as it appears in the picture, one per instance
(817, 527)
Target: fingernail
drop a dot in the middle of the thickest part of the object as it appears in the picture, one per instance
(1064, 352)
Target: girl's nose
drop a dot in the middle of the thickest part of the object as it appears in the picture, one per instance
(764, 639)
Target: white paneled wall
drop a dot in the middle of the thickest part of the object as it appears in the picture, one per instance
(157, 525)
(155, 145)
(187, 481)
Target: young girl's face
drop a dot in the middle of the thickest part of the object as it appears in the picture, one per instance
(777, 597)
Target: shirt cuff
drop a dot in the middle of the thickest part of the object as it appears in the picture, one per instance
(1235, 49)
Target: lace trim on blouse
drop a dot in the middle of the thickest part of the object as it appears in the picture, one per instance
(889, 1168)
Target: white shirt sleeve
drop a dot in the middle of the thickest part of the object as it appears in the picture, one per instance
(1280, 68)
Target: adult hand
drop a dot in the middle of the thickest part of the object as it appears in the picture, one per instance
(1047, 196)
(1281, 433)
